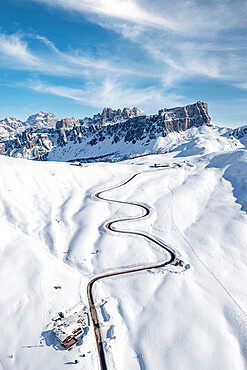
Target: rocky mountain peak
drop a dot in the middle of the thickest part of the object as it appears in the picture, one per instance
(111, 116)
(132, 112)
(12, 122)
(10, 127)
(109, 131)
(42, 119)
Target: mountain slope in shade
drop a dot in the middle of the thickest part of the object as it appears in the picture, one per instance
(118, 132)
(240, 134)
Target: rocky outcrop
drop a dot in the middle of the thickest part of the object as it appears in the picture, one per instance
(105, 130)
(185, 117)
(111, 116)
(67, 123)
(2, 148)
(239, 133)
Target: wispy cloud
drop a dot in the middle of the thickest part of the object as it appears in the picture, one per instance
(14, 48)
(177, 40)
(175, 15)
(242, 85)
(185, 39)
(16, 53)
(111, 93)
(180, 64)
(46, 42)
(127, 10)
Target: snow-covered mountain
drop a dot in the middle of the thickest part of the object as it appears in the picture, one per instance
(239, 133)
(10, 127)
(42, 120)
(113, 132)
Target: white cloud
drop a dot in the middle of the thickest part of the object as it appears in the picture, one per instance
(185, 39)
(111, 93)
(127, 10)
(242, 85)
(179, 64)
(15, 53)
(13, 47)
(181, 39)
(46, 42)
(176, 15)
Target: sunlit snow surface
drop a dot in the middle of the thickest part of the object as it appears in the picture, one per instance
(51, 226)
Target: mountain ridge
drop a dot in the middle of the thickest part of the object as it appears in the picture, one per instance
(111, 130)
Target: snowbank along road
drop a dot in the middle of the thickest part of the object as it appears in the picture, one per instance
(169, 257)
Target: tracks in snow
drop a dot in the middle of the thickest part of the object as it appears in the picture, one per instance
(112, 226)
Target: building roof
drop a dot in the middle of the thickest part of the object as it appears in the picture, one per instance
(63, 331)
(69, 327)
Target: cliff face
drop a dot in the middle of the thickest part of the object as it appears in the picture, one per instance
(186, 117)
(103, 133)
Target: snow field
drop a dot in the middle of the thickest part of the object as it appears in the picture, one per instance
(51, 226)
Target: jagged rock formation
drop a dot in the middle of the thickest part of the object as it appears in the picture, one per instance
(67, 123)
(110, 116)
(108, 132)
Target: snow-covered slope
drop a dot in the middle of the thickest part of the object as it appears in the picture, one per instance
(52, 234)
(193, 141)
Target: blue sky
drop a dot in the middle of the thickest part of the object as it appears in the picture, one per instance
(73, 57)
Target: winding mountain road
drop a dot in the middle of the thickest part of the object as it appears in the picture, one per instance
(112, 227)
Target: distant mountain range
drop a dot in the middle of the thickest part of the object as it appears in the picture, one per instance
(10, 127)
(110, 135)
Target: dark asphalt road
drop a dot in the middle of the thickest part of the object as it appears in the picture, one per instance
(109, 226)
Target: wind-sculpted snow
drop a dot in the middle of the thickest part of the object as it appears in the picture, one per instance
(234, 169)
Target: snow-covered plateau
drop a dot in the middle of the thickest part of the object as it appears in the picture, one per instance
(53, 242)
